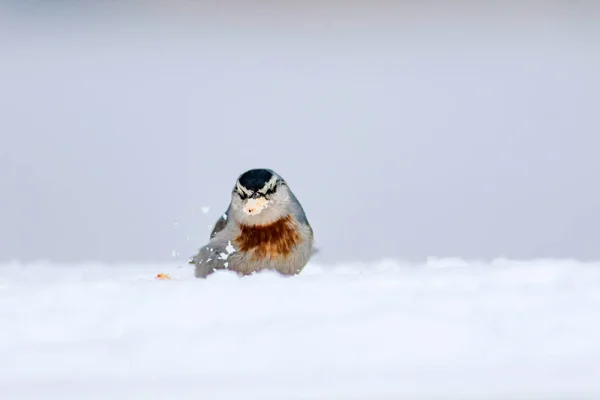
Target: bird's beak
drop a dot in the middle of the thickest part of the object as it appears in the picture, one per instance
(255, 205)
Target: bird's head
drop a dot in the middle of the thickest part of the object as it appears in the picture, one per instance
(260, 197)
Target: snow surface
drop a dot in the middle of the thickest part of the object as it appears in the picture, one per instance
(381, 330)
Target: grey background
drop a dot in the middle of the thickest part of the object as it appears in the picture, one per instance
(406, 131)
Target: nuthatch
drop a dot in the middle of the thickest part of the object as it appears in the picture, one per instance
(264, 228)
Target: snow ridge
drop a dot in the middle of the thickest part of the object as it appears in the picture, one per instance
(446, 327)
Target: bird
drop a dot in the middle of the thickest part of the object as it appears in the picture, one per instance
(264, 228)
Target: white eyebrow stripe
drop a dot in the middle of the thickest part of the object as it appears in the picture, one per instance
(269, 185)
(242, 189)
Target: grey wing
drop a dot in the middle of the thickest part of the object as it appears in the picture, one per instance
(207, 261)
(301, 217)
(299, 214)
(209, 257)
(219, 226)
(221, 223)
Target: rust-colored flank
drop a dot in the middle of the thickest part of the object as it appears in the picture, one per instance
(269, 241)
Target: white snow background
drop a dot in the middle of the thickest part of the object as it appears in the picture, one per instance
(444, 329)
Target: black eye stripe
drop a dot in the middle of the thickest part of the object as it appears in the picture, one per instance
(269, 191)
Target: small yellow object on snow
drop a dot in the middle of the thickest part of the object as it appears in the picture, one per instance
(163, 276)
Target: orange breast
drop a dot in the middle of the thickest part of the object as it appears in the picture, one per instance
(274, 240)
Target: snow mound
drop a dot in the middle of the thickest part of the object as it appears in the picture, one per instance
(447, 328)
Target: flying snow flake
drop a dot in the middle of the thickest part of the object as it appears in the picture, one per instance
(226, 264)
(205, 209)
(224, 216)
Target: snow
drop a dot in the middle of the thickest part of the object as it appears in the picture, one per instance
(387, 330)
(230, 250)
